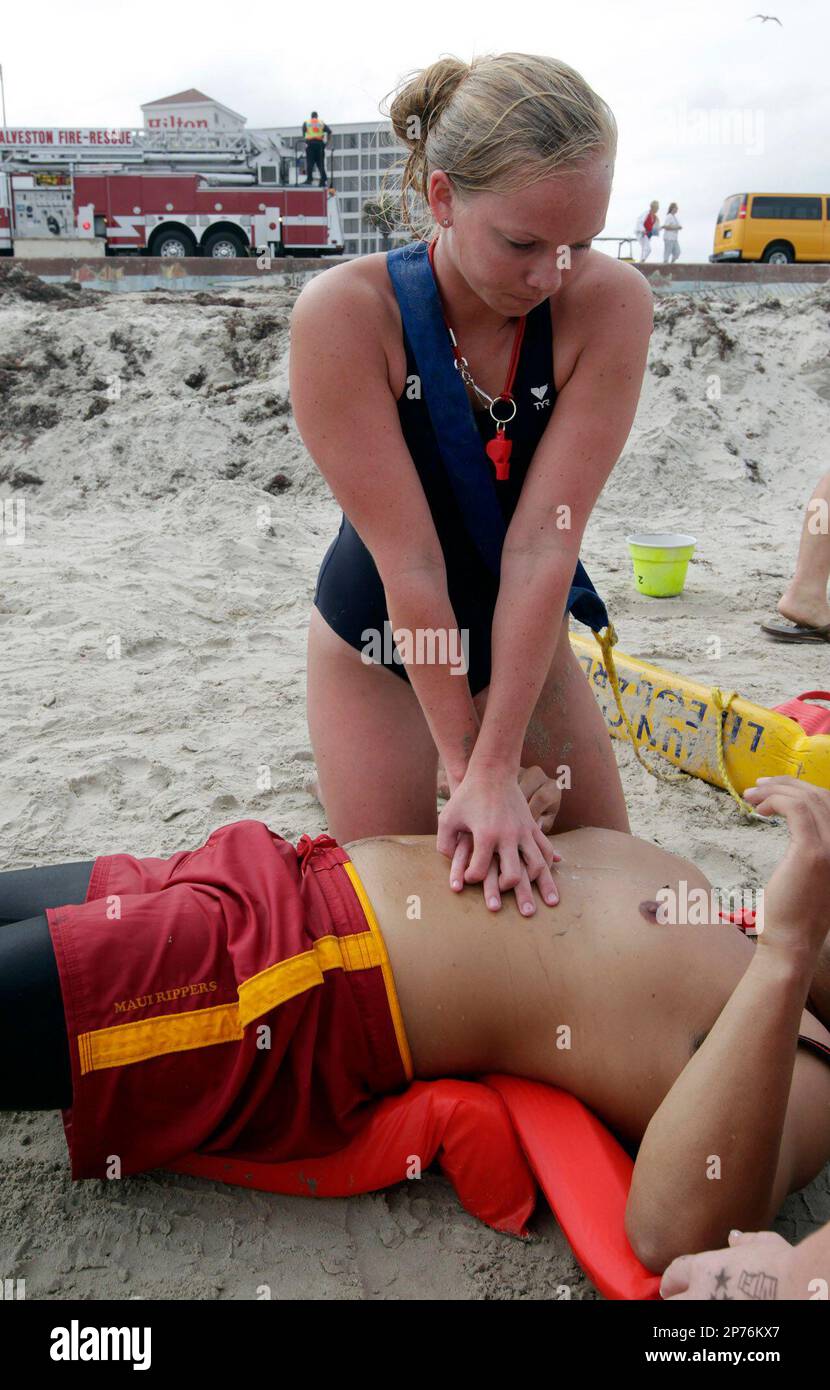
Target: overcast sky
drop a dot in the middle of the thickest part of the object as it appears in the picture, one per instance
(708, 102)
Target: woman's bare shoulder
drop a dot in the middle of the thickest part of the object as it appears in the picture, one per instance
(363, 280)
(606, 286)
(606, 306)
(355, 304)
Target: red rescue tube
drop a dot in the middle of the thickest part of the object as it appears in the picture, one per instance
(585, 1175)
(491, 1138)
(462, 1124)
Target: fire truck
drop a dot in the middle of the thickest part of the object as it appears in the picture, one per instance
(159, 193)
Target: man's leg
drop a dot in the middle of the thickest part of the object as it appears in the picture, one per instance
(805, 598)
(35, 1073)
(314, 159)
(25, 893)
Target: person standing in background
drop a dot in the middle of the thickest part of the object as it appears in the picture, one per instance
(648, 225)
(804, 608)
(314, 134)
(671, 226)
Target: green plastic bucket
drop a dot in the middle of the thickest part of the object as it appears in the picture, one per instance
(660, 562)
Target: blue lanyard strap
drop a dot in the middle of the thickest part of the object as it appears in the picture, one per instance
(454, 424)
(447, 401)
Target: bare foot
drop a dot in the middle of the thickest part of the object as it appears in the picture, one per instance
(807, 612)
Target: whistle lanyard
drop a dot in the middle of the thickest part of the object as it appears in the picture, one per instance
(499, 448)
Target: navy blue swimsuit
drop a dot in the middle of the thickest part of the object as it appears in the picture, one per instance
(349, 592)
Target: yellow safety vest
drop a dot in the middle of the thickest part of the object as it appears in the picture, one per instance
(314, 130)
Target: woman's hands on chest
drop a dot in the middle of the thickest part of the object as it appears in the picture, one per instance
(493, 830)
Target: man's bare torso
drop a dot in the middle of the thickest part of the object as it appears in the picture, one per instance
(486, 991)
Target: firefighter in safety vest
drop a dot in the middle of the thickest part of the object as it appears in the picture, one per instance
(314, 134)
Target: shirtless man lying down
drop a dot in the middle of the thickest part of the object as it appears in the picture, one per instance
(249, 998)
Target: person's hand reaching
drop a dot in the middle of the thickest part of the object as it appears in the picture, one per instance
(795, 899)
(758, 1265)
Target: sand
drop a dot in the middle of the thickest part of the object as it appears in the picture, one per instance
(153, 631)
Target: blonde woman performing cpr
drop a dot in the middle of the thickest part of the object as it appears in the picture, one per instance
(514, 156)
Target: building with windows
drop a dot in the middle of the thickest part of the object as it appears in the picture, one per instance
(358, 155)
(190, 110)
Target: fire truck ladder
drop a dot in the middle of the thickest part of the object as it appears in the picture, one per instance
(150, 148)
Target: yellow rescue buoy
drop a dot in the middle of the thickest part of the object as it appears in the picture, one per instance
(720, 737)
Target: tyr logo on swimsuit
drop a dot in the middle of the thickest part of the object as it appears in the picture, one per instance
(541, 394)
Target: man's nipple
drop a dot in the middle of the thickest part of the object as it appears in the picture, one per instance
(649, 909)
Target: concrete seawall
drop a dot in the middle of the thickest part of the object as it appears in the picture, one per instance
(134, 273)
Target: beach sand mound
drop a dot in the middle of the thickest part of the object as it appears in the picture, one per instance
(20, 284)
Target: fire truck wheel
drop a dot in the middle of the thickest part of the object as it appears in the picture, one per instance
(172, 243)
(223, 245)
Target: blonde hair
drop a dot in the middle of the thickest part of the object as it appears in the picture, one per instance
(499, 123)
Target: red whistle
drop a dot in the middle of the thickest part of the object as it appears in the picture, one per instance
(499, 451)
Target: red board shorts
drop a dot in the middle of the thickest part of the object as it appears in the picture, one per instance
(236, 1000)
